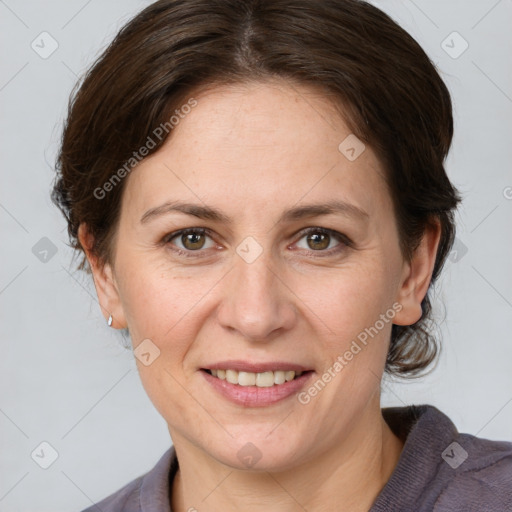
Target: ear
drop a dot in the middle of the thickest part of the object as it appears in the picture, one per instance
(417, 275)
(104, 282)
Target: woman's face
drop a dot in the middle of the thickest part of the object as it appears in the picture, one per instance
(277, 281)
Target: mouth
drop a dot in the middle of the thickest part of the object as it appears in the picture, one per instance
(256, 385)
(264, 379)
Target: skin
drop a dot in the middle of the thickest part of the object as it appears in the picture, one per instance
(253, 151)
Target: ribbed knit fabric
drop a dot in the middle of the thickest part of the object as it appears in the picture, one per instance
(439, 470)
(424, 479)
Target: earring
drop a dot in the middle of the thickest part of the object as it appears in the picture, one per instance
(109, 321)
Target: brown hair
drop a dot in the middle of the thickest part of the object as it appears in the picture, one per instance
(393, 99)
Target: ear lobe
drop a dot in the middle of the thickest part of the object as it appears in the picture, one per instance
(417, 276)
(104, 282)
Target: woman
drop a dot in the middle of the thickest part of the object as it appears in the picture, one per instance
(258, 188)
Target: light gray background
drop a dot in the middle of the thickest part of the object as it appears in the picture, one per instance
(66, 380)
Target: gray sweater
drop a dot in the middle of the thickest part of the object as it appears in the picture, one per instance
(438, 470)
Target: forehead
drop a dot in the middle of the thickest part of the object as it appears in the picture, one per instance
(259, 145)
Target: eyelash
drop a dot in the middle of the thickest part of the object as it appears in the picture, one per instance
(343, 239)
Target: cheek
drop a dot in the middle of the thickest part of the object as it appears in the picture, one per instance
(165, 309)
(349, 299)
(161, 302)
(356, 344)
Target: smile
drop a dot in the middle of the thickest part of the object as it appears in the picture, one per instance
(260, 380)
(259, 388)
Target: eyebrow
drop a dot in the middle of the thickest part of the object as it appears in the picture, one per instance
(296, 213)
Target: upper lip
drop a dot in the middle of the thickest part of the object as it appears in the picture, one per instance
(252, 367)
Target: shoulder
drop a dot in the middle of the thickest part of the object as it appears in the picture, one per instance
(126, 499)
(478, 475)
(443, 470)
(149, 491)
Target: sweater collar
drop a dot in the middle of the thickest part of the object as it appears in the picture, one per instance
(427, 432)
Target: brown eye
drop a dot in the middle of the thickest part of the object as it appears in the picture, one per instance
(193, 241)
(323, 240)
(318, 241)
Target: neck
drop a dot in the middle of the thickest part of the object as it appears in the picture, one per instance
(348, 476)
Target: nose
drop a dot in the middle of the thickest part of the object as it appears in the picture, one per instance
(257, 303)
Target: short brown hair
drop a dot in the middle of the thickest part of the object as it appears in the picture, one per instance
(394, 100)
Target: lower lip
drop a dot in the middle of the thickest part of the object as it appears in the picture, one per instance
(253, 396)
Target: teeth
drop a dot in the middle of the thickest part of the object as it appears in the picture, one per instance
(247, 379)
(232, 376)
(265, 379)
(261, 380)
(279, 377)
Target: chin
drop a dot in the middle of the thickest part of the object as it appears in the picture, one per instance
(255, 453)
